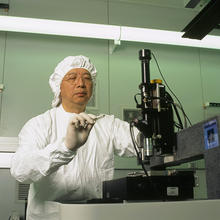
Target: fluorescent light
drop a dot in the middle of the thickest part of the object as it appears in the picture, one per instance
(5, 160)
(63, 28)
(167, 37)
(100, 31)
(8, 144)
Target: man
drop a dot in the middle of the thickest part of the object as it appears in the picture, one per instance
(64, 153)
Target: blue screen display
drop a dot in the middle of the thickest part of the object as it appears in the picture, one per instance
(211, 134)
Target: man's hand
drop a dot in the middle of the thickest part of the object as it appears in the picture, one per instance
(78, 130)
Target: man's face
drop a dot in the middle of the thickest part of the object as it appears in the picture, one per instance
(76, 87)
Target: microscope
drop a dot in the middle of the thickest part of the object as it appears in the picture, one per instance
(157, 122)
(157, 142)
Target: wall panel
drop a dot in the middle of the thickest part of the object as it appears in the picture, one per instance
(210, 76)
(30, 60)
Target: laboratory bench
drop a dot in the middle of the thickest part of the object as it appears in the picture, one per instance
(169, 210)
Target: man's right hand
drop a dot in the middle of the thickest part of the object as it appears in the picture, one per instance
(78, 130)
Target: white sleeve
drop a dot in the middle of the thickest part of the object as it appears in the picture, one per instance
(35, 158)
(123, 145)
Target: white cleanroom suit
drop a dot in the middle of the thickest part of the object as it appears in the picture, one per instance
(56, 173)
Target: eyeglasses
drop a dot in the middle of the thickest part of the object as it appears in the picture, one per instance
(73, 78)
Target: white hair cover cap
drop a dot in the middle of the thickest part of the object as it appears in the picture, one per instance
(70, 62)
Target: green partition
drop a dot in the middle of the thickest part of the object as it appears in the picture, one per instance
(30, 60)
(210, 72)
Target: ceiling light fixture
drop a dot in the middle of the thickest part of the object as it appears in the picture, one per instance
(61, 28)
(101, 31)
(167, 37)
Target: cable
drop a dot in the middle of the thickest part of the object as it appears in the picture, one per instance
(175, 109)
(168, 100)
(185, 116)
(171, 90)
